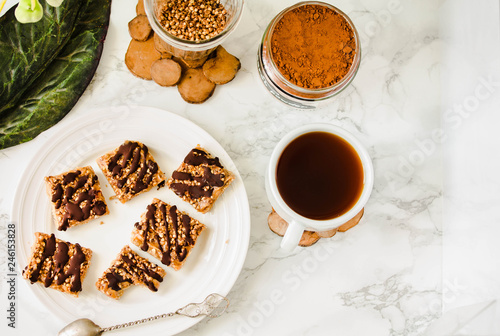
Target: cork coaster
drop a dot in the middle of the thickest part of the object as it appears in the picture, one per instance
(278, 225)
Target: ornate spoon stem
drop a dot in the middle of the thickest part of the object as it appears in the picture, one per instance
(214, 305)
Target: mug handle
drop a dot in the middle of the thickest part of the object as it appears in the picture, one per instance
(292, 236)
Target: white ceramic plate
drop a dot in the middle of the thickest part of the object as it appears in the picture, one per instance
(214, 263)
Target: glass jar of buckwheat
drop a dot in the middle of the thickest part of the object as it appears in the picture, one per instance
(192, 29)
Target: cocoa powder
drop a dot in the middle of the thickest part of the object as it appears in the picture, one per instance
(313, 46)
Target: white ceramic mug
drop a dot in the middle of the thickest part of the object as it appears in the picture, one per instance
(296, 222)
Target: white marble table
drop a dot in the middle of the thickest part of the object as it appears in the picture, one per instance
(424, 259)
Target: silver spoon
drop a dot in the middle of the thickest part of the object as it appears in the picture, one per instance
(210, 307)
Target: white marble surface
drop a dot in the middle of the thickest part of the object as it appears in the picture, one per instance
(423, 261)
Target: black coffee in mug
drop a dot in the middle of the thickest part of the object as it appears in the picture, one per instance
(319, 175)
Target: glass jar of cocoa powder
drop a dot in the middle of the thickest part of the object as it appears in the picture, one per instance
(212, 21)
(309, 53)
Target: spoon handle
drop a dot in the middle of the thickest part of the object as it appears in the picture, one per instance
(214, 305)
(133, 323)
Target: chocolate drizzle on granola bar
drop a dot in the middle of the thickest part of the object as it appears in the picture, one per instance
(61, 257)
(180, 250)
(128, 269)
(174, 239)
(198, 186)
(166, 259)
(74, 269)
(48, 251)
(198, 157)
(57, 194)
(141, 273)
(55, 257)
(131, 158)
(115, 279)
(186, 222)
(151, 222)
(85, 204)
(70, 177)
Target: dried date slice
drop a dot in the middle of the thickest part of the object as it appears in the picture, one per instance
(194, 87)
(166, 72)
(140, 56)
(222, 67)
(139, 9)
(309, 238)
(327, 234)
(352, 222)
(277, 224)
(139, 28)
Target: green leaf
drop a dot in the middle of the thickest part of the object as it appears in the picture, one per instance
(27, 49)
(54, 93)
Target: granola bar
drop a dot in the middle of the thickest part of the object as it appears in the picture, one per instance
(200, 179)
(76, 197)
(166, 233)
(129, 269)
(130, 170)
(57, 264)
